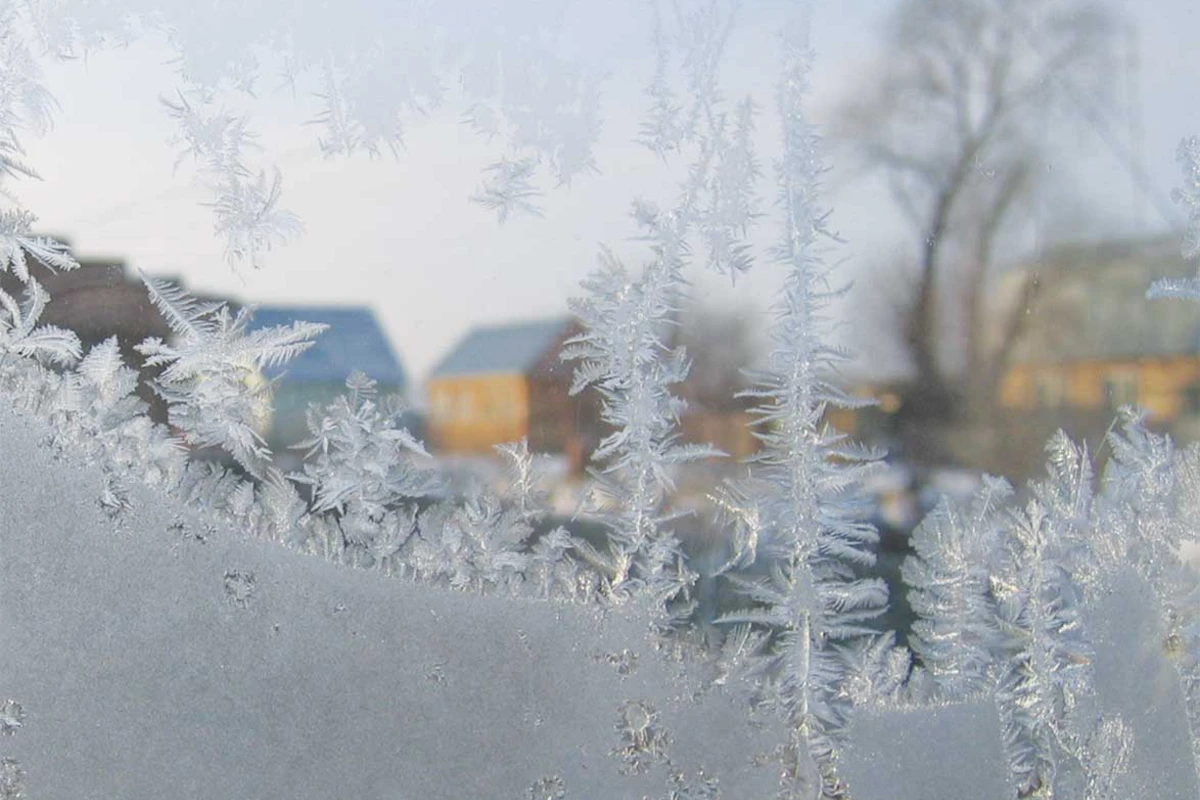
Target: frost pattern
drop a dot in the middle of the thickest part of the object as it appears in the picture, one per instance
(240, 587)
(211, 377)
(810, 523)
(950, 591)
(548, 788)
(20, 334)
(25, 104)
(246, 209)
(1188, 195)
(722, 191)
(12, 717)
(644, 742)
(18, 243)
(12, 780)
(1004, 590)
(625, 355)
(508, 190)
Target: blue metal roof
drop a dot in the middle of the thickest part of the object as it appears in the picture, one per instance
(514, 348)
(354, 341)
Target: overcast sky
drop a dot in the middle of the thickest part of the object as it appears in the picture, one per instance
(399, 233)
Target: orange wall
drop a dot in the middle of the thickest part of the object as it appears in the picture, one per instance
(471, 413)
(1161, 383)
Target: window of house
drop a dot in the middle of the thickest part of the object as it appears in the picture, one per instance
(443, 405)
(1191, 399)
(1120, 389)
(1049, 391)
(466, 406)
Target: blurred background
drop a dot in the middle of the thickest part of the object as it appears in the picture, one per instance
(1005, 181)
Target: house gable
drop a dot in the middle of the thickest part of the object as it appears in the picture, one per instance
(502, 383)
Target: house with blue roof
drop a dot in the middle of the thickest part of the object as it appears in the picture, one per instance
(502, 383)
(355, 340)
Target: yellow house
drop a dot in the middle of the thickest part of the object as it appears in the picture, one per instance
(502, 383)
(1093, 342)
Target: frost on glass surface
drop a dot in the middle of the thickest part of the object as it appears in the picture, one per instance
(627, 352)
(508, 190)
(499, 63)
(245, 208)
(364, 626)
(949, 589)
(149, 664)
(802, 500)
(1188, 195)
(211, 377)
(902, 754)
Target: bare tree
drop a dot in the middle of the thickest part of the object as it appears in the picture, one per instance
(957, 124)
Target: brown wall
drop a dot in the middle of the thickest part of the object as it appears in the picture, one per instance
(730, 432)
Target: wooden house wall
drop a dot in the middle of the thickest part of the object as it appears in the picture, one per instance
(1165, 386)
(469, 414)
(558, 421)
(728, 431)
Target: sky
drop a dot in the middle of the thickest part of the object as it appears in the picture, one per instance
(399, 234)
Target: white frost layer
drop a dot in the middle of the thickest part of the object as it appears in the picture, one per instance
(157, 656)
(945, 752)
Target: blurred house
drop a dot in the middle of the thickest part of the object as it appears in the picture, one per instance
(873, 424)
(1091, 342)
(354, 341)
(502, 383)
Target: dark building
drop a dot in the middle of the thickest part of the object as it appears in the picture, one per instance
(96, 301)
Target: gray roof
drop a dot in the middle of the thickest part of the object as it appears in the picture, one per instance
(1093, 305)
(514, 348)
(354, 341)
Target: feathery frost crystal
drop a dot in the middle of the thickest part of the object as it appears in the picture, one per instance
(236, 599)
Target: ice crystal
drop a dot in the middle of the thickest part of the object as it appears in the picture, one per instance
(240, 587)
(367, 97)
(246, 209)
(949, 580)
(25, 104)
(248, 217)
(18, 243)
(20, 334)
(731, 205)
(12, 780)
(625, 355)
(436, 674)
(1046, 575)
(624, 662)
(1146, 514)
(878, 672)
(361, 468)
(549, 788)
(662, 130)
(811, 522)
(720, 195)
(12, 717)
(211, 377)
(700, 787)
(508, 190)
(644, 742)
(1188, 195)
